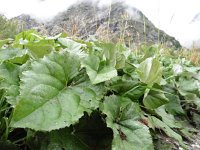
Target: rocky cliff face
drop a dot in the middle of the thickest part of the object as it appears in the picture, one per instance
(116, 22)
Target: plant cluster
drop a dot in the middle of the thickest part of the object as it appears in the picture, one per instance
(59, 93)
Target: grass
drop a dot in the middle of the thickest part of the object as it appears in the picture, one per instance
(193, 55)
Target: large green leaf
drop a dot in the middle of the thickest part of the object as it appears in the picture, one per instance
(174, 105)
(26, 36)
(90, 95)
(36, 44)
(154, 99)
(156, 123)
(133, 89)
(73, 47)
(14, 55)
(122, 117)
(150, 71)
(98, 71)
(190, 90)
(121, 56)
(188, 85)
(40, 48)
(9, 73)
(108, 53)
(48, 96)
(167, 118)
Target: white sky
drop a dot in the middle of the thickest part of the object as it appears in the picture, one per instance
(172, 16)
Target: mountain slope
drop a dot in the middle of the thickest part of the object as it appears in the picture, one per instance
(116, 22)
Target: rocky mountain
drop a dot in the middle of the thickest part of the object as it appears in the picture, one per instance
(116, 22)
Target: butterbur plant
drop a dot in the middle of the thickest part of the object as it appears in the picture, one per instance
(58, 93)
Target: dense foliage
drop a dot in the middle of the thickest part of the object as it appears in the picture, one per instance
(59, 93)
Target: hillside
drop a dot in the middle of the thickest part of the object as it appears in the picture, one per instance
(116, 22)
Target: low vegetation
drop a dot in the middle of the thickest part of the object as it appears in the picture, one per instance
(8, 28)
(59, 93)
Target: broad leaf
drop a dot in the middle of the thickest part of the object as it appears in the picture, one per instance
(14, 55)
(154, 99)
(48, 96)
(29, 36)
(41, 48)
(121, 56)
(156, 123)
(174, 105)
(73, 47)
(122, 117)
(167, 118)
(188, 85)
(126, 87)
(98, 72)
(191, 98)
(150, 71)
(90, 95)
(189, 88)
(9, 73)
(108, 53)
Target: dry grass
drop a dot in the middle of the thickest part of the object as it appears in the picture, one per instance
(193, 55)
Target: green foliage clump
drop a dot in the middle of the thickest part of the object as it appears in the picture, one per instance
(59, 93)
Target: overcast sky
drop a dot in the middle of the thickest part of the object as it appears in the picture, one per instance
(172, 16)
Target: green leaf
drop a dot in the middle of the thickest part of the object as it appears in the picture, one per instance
(150, 71)
(97, 71)
(121, 56)
(108, 53)
(73, 47)
(191, 98)
(174, 106)
(14, 55)
(29, 36)
(48, 96)
(188, 85)
(130, 88)
(156, 123)
(10, 81)
(189, 89)
(154, 99)
(41, 48)
(90, 94)
(122, 117)
(167, 118)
